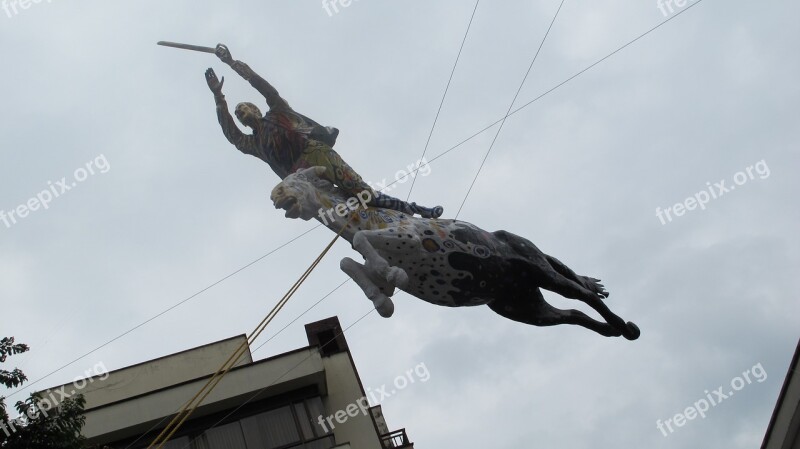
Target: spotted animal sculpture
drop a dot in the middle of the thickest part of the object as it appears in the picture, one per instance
(446, 262)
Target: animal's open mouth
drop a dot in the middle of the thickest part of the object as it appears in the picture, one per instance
(290, 205)
(287, 202)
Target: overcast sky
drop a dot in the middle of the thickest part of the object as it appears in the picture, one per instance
(172, 207)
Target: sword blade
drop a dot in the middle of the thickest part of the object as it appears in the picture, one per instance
(187, 46)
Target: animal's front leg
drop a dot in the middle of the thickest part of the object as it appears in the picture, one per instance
(363, 242)
(357, 272)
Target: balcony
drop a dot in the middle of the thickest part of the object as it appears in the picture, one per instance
(396, 440)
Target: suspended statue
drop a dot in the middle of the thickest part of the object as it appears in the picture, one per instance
(289, 141)
(445, 262)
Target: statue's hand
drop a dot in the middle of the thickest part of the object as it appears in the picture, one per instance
(213, 83)
(223, 54)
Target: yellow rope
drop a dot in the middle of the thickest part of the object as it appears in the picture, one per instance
(192, 404)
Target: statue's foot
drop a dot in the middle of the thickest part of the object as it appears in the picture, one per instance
(428, 212)
(384, 305)
(595, 286)
(397, 277)
(631, 331)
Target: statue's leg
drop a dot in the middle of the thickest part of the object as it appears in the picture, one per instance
(566, 288)
(357, 272)
(588, 282)
(551, 274)
(537, 312)
(340, 173)
(569, 289)
(389, 202)
(375, 264)
(550, 279)
(527, 249)
(543, 272)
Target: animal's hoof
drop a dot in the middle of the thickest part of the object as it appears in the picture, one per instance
(437, 212)
(632, 331)
(384, 306)
(397, 277)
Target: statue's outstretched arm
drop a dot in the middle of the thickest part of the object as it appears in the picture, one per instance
(274, 100)
(242, 141)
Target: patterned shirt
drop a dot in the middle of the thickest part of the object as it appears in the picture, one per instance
(281, 136)
(278, 139)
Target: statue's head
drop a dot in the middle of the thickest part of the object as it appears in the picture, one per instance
(248, 114)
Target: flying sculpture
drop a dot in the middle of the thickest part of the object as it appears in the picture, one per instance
(442, 261)
(446, 262)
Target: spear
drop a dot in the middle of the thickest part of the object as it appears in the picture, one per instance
(187, 46)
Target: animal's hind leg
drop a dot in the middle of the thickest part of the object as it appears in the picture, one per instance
(379, 295)
(556, 282)
(537, 312)
(587, 282)
(544, 262)
(551, 274)
(546, 269)
(569, 289)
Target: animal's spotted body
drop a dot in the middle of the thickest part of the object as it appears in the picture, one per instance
(448, 262)
(425, 250)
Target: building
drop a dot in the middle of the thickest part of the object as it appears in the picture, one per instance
(310, 398)
(783, 431)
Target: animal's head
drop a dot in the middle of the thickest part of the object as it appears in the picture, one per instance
(299, 193)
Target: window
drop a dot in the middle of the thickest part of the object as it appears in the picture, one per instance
(293, 426)
(229, 436)
(271, 429)
(304, 421)
(177, 443)
(315, 410)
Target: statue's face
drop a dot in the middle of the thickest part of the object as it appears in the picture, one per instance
(247, 113)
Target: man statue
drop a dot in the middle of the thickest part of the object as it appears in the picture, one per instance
(289, 141)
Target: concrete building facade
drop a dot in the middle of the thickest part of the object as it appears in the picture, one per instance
(309, 398)
(783, 431)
